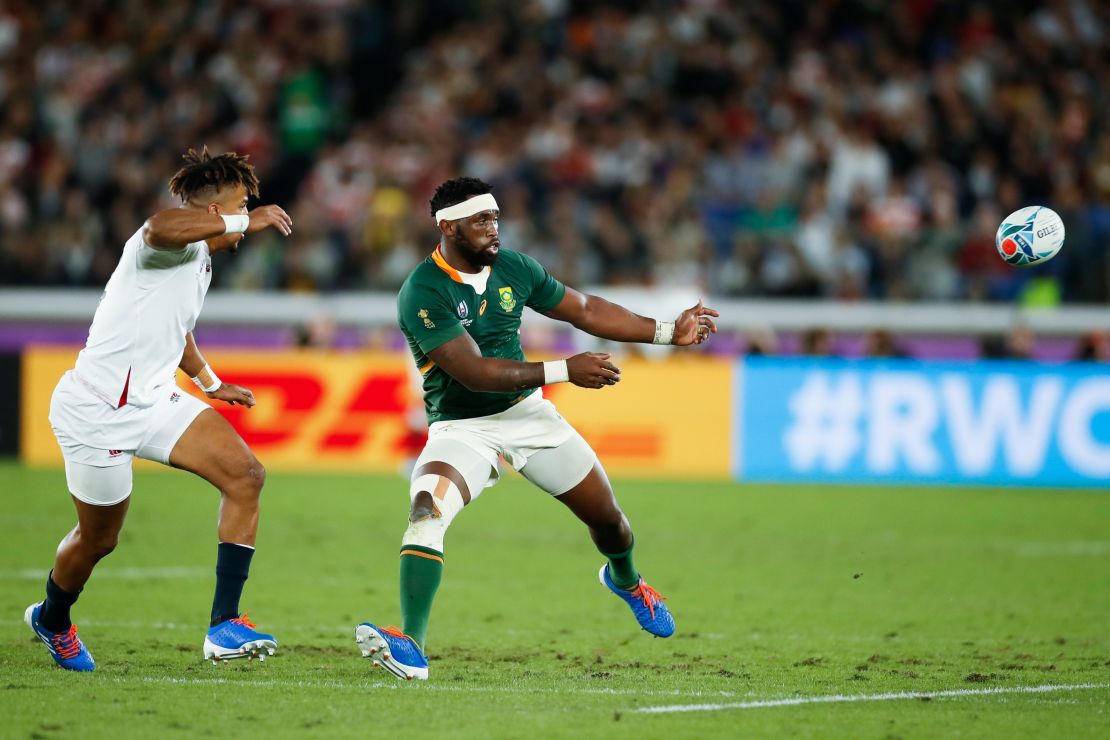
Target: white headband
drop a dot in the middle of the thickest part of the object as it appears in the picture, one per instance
(469, 207)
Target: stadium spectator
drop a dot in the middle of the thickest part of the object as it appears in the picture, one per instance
(881, 343)
(1094, 346)
(851, 150)
(817, 342)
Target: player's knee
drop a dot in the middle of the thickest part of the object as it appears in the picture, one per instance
(611, 523)
(246, 478)
(436, 499)
(99, 543)
(256, 474)
(423, 507)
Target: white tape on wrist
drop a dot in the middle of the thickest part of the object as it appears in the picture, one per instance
(207, 380)
(664, 332)
(236, 224)
(555, 372)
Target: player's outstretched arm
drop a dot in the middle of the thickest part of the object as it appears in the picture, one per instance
(462, 360)
(195, 366)
(597, 316)
(176, 227)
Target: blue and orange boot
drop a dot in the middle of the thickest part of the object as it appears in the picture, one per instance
(65, 648)
(393, 650)
(646, 603)
(237, 638)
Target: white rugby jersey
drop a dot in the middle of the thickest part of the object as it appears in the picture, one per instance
(137, 335)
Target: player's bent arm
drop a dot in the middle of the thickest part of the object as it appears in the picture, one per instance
(176, 227)
(595, 315)
(462, 360)
(192, 361)
(195, 366)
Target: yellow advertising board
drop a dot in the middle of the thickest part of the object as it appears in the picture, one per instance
(361, 411)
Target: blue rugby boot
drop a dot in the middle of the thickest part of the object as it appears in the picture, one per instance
(646, 603)
(392, 650)
(65, 648)
(237, 638)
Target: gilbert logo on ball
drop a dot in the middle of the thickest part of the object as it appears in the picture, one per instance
(1030, 236)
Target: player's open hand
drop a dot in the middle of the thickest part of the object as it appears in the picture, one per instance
(694, 325)
(593, 370)
(265, 216)
(233, 394)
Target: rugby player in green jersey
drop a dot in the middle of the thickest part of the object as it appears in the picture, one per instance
(460, 311)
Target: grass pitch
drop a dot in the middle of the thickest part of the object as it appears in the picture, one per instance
(780, 593)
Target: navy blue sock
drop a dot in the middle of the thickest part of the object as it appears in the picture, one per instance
(54, 614)
(232, 565)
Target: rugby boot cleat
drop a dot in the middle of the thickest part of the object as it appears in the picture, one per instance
(646, 603)
(65, 648)
(393, 650)
(237, 638)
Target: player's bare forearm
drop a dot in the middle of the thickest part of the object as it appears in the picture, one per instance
(462, 360)
(595, 315)
(494, 375)
(176, 227)
(607, 320)
(192, 361)
(194, 364)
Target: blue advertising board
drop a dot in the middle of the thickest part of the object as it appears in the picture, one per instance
(994, 422)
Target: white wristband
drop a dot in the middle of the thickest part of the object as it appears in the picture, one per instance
(236, 224)
(207, 380)
(555, 372)
(664, 332)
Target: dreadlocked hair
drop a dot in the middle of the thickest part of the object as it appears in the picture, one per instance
(202, 171)
(453, 192)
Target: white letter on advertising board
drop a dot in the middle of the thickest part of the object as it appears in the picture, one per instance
(975, 437)
(1078, 445)
(903, 418)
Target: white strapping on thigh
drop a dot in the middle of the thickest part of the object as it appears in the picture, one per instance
(556, 470)
(171, 419)
(475, 462)
(99, 486)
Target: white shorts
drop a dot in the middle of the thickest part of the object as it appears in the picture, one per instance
(531, 436)
(95, 437)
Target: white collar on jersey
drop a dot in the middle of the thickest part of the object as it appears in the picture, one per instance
(476, 280)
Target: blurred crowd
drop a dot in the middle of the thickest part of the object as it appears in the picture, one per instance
(824, 148)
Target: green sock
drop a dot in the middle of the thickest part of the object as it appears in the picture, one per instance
(621, 568)
(421, 571)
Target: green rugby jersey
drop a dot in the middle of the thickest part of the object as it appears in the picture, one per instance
(437, 304)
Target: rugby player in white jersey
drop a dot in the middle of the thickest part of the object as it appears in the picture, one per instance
(121, 401)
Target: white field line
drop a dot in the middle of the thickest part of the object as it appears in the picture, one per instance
(1077, 548)
(752, 704)
(848, 698)
(413, 686)
(122, 574)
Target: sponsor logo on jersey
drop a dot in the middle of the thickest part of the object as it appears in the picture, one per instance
(508, 303)
(482, 308)
(423, 314)
(175, 397)
(115, 453)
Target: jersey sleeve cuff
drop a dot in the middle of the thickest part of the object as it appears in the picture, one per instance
(553, 300)
(441, 337)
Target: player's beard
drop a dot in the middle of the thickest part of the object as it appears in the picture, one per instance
(477, 257)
